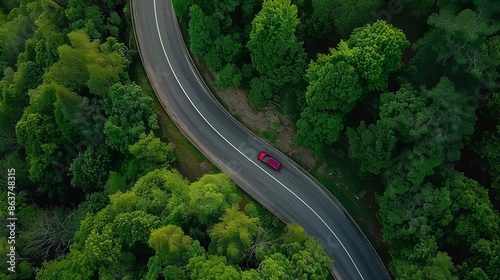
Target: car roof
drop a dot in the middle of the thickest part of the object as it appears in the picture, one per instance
(274, 163)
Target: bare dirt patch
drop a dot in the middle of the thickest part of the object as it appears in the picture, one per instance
(266, 120)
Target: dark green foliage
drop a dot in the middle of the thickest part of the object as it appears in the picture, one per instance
(456, 43)
(48, 233)
(203, 30)
(487, 144)
(261, 92)
(276, 53)
(473, 215)
(374, 144)
(99, 19)
(130, 115)
(347, 15)
(229, 77)
(318, 128)
(90, 169)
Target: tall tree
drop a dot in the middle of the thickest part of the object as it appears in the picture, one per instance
(233, 234)
(130, 114)
(376, 52)
(276, 53)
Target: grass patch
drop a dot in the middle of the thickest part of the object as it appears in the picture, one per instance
(274, 126)
(269, 135)
(189, 160)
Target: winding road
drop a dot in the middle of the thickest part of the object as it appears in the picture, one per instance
(291, 194)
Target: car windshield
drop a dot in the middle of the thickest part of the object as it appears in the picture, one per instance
(265, 159)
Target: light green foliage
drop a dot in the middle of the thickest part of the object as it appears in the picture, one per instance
(14, 30)
(150, 148)
(439, 267)
(294, 233)
(148, 153)
(304, 259)
(157, 191)
(232, 236)
(130, 115)
(115, 183)
(210, 196)
(37, 132)
(66, 112)
(14, 95)
(275, 51)
(86, 62)
(90, 169)
(213, 267)
(135, 226)
(76, 265)
(376, 51)
(172, 246)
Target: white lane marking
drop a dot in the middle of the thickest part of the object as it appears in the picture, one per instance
(190, 101)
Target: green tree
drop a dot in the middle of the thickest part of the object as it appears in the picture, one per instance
(47, 233)
(347, 15)
(373, 145)
(95, 17)
(172, 246)
(333, 86)
(232, 236)
(229, 77)
(486, 144)
(456, 42)
(212, 267)
(210, 196)
(148, 153)
(135, 227)
(90, 169)
(203, 30)
(86, 62)
(473, 214)
(130, 114)
(376, 51)
(275, 51)
(315, 129)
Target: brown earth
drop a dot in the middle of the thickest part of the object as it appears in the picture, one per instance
(259, 120)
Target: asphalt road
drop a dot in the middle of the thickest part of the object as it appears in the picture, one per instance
(291, 194)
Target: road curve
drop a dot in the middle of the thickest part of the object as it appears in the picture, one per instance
(291, 194)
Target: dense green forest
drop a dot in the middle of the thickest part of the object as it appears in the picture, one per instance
(97, 191)
(409, 88)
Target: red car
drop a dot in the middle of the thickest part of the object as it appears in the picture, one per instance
(269, 160)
